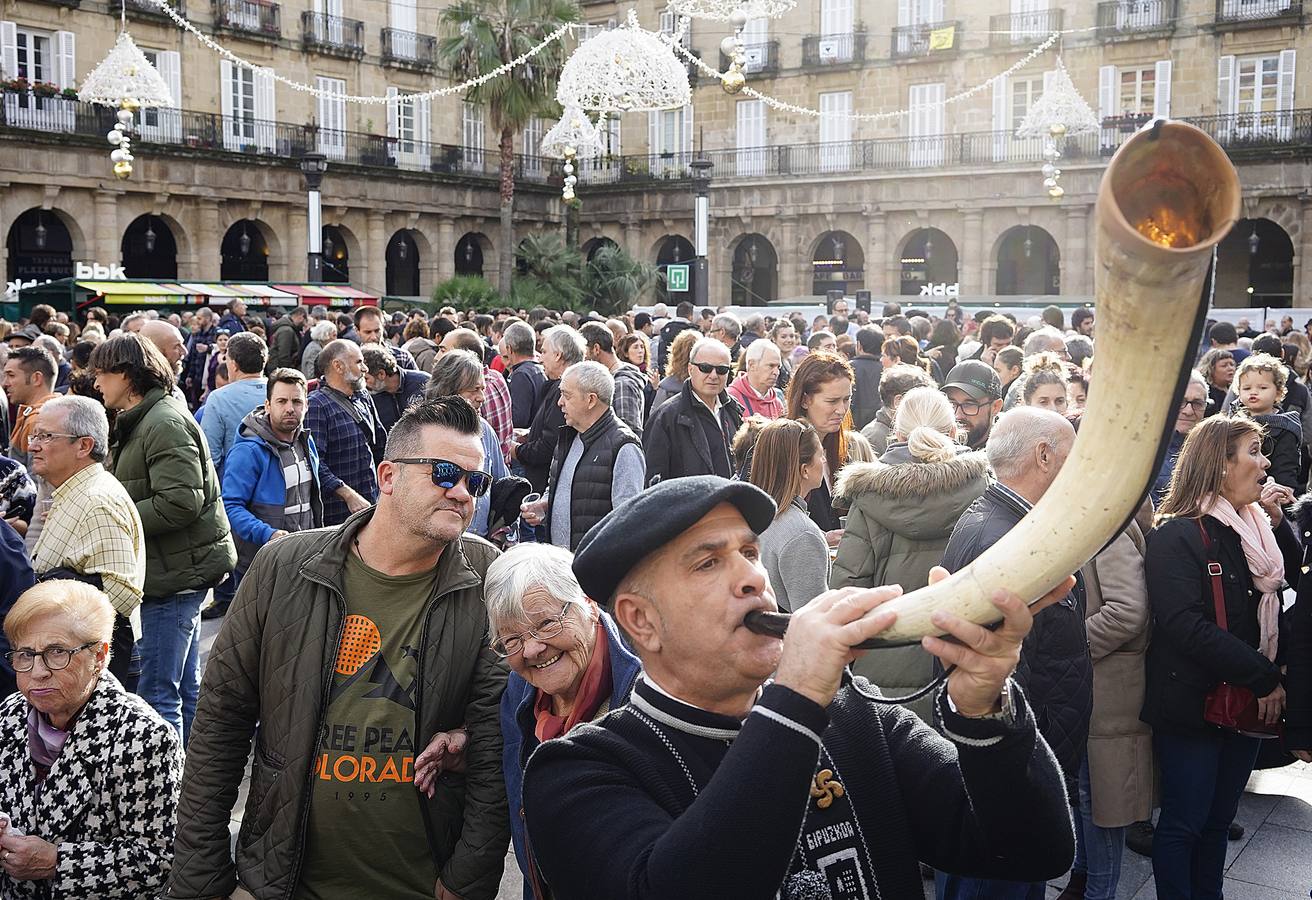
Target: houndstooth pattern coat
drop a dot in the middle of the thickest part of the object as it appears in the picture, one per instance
(109, 802)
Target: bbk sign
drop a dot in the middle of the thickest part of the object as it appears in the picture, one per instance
(97, 272)
(13, 287)
(941, 289)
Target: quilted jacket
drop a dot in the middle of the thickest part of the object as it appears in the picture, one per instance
(161, 457)
(271, 666)
(1055, 669)
(108, 802)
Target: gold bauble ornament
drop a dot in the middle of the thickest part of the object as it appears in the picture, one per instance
(130, 105)
(1056, 193)
(1056, 129)
(122, 169)
(733, 81)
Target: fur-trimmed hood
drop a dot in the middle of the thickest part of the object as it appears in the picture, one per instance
(918, 500)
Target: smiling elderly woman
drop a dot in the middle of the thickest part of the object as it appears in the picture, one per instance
(568, 666)
(92, 772)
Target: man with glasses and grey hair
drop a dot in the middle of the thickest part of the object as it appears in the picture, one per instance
(690, 433)
(93, 532)
(1193, 407)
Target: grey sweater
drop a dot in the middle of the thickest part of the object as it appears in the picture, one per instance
(796, 557)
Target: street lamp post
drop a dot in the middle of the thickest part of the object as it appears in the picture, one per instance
(313, 167)
(701, 180)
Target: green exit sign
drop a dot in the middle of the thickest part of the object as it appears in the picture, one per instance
(676, 278)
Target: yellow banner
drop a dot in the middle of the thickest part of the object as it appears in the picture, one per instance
(942, 38)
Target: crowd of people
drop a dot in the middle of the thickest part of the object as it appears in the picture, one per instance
(483, 580)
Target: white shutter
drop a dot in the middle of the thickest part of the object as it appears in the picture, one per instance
(423, 130)
(836, 18)
(1285, 87)
(1107, 83)
(836, 131)
(265, 111)
(904, 13)
(169, 63)
(65, 59)
(404, 16)
(9, 49)
(393, 114)
(686, 121)
(925, 102)
(227, 86)
(332, 117)
(1162, 90)
(1047, 80)
(933, 10)
(1001, 129)
(653, 134)
(750, 137)
(1225, 86)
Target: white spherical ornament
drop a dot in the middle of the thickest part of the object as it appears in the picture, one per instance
(729, 45)
(1051, 153)
(569, 168)
(1049, 182)
(114, 137)
(125, 117)
(567, 195)
(1049, 170)
(738, 19)
(571, 180)
(118, 156)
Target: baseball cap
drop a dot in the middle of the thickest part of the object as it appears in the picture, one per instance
(975, 378)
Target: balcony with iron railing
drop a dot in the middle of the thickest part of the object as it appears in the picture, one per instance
(249, 17)
(333, 35)
(926, 39)
(757, 58)
(820, 51)
(1015, 29)
(1129, 19)
(1240, 14)
(408, 50)
(70, 4)
(145, 8)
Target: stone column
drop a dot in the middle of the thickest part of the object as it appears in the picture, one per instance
(877, 253)
(444, 249)
(107, 244)
(1075, 255)
(1303, 272)
(207, 259)
(633, 238)
(968, 263)
(293, 264)
(372, 276)
(790, 287)
(988, 265)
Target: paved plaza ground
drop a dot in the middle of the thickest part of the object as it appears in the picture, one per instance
(1273, 861)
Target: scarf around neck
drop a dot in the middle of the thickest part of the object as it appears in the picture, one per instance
(594, 689)
(1265, 563)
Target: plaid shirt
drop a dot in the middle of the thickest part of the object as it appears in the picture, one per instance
(345, 456)
(496, 409)
(93, 528)
(193, 365)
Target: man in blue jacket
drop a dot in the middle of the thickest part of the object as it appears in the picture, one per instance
(271, 476)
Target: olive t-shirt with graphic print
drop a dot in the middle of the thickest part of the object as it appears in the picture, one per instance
(366, 835)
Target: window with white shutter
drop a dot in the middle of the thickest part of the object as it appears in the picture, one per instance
(532, 144)
(266, 112)
(407, 130)
(750, 138)
(669, 135)
(835, 131)
(1029, 20)
(836, 31)
(471, 130)
(756, 41)
(332, 117)
(8, 50)
(237, 99)
(164, 125)
(926, 123)
(1136, 91)
(41, 57)
(1162, 90)
(405, 22)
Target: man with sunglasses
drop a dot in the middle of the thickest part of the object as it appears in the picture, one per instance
(975, 392)
(350, 648)
(690, 433)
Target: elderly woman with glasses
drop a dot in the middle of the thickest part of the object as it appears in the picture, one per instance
(568, 666)
(92, 772)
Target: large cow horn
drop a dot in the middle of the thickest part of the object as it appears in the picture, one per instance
(1168, 196)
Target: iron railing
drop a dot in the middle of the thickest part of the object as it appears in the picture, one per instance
(71, 4)
(762, 58)
(914, 40)
(1135, 18)
(332, 34)
(249, 17)
(1010, 29)
(145, 8)
(1238, 12)
(406, 48)
(821, 50)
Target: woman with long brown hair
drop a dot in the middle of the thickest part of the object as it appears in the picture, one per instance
(787, 464)
(1221, 531)
(820, 393)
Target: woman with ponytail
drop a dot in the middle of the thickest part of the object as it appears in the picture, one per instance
(903, 509)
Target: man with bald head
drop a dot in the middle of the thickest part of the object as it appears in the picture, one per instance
(690, 433)
(344, 422)
(168, 340)
(1027, 448)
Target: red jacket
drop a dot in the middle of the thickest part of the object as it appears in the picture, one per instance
(771, 405)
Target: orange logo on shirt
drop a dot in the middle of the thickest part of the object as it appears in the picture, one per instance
(361, 639)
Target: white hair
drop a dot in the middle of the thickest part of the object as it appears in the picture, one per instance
(567, 342)
(51, 345)
(593, 378)
(757, 349)
(1044, 339)
(1015, 435)
(754, 323)
(728, 324)
(1196, 377)
(85, 418)
(515, 574)
(324, 331)
(704, 342)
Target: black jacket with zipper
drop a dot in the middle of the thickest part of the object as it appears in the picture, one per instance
(675, 443)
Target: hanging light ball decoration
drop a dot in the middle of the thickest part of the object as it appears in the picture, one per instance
(736, 12)
(1060, 113)
(625, 69)
(124, 79)
(573, 138)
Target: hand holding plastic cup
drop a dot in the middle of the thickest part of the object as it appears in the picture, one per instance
(533, 509)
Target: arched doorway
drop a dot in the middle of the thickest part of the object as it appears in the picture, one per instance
(1028, 262)
(244, 253)
(402, 265)
(149, 249)
(929, 257)
(1255, 266)
(40, 248)
(591, 247)
(336, 256)
(754, 279)
(469, 254)
(838, 264)
(676, 250)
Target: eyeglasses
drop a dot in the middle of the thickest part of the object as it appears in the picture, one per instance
(509, 646)
(1196, 405)
(708, 368)
(447, 475)
(54, 658)
(969, 407)
(45, 437)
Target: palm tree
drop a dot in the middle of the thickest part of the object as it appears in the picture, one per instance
(481, 35)
(616, 281)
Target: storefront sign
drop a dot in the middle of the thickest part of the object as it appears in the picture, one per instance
(97, 272)
(941, 289)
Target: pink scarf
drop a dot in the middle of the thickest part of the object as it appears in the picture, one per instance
(1265, 563)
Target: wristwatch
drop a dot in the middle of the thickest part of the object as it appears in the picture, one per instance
(1006, 714)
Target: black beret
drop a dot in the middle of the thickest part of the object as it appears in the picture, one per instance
(639, 527)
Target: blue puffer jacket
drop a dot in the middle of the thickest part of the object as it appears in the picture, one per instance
(254, 489)
(517, 732)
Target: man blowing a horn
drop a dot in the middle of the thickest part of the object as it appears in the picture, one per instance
(715, 781)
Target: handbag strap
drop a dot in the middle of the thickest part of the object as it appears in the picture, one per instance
(1214, 571)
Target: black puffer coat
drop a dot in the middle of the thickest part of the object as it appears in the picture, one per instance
(1055, 668)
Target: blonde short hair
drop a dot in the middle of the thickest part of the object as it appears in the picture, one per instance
(1264, 362)
(88, 609)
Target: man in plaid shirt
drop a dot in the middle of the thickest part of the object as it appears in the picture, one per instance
(630, 383)
(496, 403)
(346, 429)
